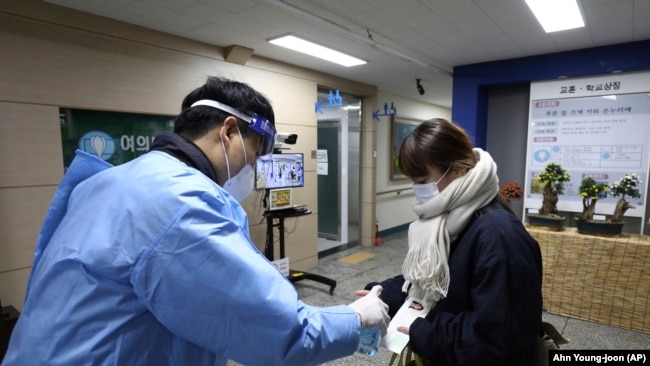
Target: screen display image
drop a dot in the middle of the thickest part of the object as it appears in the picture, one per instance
(279, 171)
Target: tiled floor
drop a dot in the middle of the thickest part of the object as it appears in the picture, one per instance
(387, 263)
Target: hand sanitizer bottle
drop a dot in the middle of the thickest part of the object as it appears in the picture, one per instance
(369, 342)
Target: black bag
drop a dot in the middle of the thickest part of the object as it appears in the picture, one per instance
(548, 340)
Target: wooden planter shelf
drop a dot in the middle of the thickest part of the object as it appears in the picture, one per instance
(599, 279)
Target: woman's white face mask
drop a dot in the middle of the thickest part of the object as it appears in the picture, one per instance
(241, 185)
(426, 191)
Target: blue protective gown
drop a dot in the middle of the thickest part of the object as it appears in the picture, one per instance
(151, 263)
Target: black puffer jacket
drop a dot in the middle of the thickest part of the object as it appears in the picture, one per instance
(493, 309)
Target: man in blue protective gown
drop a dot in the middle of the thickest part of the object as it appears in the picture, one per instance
(151, 262)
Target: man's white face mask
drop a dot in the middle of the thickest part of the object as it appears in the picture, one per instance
(241, 185)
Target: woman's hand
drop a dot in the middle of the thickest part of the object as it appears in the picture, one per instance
(404, 330)
(362, 293)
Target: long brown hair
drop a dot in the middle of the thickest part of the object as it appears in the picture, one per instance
(436, 143)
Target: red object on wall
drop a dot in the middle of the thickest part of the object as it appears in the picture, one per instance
(378, 239)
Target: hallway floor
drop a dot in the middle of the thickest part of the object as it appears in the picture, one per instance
(387, 262)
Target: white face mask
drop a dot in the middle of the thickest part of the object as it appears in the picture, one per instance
(241, 185)
(426, 191)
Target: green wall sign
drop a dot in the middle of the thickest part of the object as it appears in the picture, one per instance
(113, 136)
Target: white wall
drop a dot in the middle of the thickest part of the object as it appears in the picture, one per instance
(392, 209)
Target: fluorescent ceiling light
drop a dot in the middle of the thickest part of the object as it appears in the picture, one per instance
(313, 49)
(352, 107)
(557, 15)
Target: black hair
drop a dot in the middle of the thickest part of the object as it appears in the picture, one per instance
(436, 143)
(195, 122)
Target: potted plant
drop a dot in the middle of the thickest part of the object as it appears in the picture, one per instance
(628, 186)
(511, 191)
(553, 178)
(591, 191)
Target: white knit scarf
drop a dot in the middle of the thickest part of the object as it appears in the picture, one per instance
(440, 221)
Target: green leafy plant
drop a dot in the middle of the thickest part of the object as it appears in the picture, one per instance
(553, 178)
(627, 186)
(591, 191)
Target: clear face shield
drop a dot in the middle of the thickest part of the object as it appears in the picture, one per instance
(257, 123)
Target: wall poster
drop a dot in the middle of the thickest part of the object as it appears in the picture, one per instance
(597, 126)
(115, 137)
(400, 129)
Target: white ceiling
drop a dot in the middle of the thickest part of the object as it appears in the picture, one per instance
(402, 40)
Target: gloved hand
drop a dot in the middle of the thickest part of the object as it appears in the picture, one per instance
(372, 311)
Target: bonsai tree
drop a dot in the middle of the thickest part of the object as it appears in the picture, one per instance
(591, 191)
(553, 177)
(511, 191)
(628, 186)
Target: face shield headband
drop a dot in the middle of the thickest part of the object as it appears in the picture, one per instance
(259, 124)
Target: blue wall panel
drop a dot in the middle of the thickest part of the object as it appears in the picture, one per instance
(471, 82)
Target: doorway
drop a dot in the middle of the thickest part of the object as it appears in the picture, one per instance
(339, 136)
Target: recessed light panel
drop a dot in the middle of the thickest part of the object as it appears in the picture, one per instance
(557, 15)
(316, 50)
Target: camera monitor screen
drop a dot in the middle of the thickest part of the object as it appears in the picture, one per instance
(279, 171)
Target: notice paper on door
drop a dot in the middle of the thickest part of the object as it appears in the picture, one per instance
(321, 168)
(395, 341)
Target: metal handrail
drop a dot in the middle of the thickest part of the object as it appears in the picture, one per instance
(398, 191)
